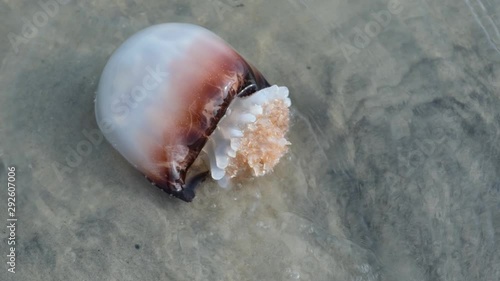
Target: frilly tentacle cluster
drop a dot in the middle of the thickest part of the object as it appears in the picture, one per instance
(250, 139)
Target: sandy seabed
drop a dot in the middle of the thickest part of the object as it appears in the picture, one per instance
(393, 171)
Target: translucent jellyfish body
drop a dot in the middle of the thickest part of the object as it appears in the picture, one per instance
(179, 104)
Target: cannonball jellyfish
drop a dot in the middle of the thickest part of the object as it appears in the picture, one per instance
(179, 104)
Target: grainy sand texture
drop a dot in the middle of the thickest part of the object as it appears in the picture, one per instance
(393, 172)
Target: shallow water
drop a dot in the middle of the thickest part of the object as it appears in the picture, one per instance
(393, 173)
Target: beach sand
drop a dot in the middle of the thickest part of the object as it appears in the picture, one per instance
(393, 171)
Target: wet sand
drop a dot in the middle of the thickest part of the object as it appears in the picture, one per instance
(393, 173)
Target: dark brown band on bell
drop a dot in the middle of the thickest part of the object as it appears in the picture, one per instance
(222, 76)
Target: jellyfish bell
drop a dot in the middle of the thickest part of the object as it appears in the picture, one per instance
(180, 104)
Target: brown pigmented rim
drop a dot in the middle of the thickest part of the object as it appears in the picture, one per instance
(247, 81)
